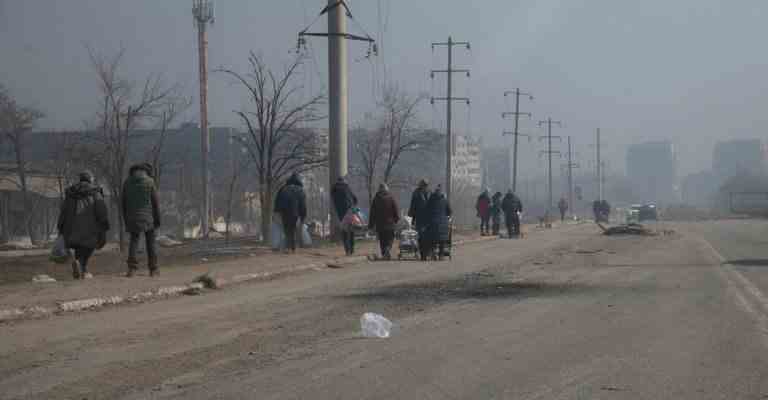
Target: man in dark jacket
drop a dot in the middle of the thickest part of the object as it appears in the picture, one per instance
(141, 213)
(496, 213)
(438, 232)
(417, 211)
(384, 217)
(291, 204)
(83, 222)
(343, 200)
(512, 206)
(483, 207)
(562, 205)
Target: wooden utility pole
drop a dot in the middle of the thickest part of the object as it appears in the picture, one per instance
(449, 99)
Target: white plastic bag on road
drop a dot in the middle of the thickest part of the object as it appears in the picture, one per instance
(60, 253)
(375, 326)
(306, 239)
(276, 234)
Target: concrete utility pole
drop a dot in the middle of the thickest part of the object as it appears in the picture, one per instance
(516, 133)
(338, 12)
(599, 168)
(202, 11)
(571, 165)
(549, 152)
(449, 99)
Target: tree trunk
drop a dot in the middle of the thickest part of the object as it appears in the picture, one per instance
(266, 213)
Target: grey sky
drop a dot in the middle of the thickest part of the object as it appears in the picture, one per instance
(688, 70)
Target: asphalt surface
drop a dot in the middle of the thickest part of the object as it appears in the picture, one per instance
(566, 314)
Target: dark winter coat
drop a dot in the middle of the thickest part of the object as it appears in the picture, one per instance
(385, 214)
(343, 198)
(418, 210)
(83, 220)
(141, 207)
(496, 208)
(439, 213)
(511, 204)
(483, 205)
(291, 201)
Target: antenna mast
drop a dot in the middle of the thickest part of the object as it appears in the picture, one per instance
(203, 14)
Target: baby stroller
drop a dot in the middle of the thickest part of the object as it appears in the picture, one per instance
(409, 244)
(447, 245)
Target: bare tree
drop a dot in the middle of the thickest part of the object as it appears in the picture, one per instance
(276, 141)
(16, 121)
(125, 107)
(395, 133)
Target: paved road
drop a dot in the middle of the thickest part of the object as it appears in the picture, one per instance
(565, 314)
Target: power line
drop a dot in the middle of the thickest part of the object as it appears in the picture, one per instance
(549, 152)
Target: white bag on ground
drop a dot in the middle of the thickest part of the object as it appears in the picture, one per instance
(306, 239)
(60, 253)
(375, 326)
(276, 234)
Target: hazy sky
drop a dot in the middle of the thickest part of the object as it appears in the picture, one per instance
(692, 71)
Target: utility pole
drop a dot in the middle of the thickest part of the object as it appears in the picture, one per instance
(202, 11)
(516, 133)
(599, 168)
(338, 12)
(449, 99)
(571, 165)
(549, 152)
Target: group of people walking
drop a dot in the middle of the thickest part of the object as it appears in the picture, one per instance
(84, 220)
(490, 209)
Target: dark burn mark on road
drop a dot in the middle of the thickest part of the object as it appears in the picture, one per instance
(748, 262)
(466, 289)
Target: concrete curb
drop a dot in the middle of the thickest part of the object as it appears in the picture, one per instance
(34, 312)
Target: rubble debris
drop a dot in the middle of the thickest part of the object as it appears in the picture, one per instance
(375, 326)
(43, 278)
(628, 229)
(208, 281)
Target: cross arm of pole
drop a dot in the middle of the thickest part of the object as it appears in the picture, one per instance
(508, 92)
(347, 36)
(512, 113)
(451, 44)
(518, 134)
(547, 137)
(446, 71)
(542, 152)
(434, 99)
(558, 123)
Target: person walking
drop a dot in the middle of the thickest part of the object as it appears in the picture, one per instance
(439, 229)
(483, 208)
(291, 205)
(417, 212)
(343, 201)
(141, 214)
(562, 205)
(512, 207)
(384, 217)
(83, 222)
(496, 213)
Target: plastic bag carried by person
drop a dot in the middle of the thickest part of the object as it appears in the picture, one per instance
(375, 326)
(60, 253)
(277, 236)
(353, 220)
(306, 238)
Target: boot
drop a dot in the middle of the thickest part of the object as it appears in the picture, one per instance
(153, 272)
(131, 272)
(84, 274)
(75, 269)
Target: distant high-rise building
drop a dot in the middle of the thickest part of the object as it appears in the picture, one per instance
(652, 171)
(738, 157)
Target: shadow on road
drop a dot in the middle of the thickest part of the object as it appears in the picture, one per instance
(463, 289)
(749, 262)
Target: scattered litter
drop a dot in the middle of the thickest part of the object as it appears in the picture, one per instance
(192, 291)
(208, 281)
(612, 388)
(375, 326)
(204, 259)
(165, 241)
(42, 278)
